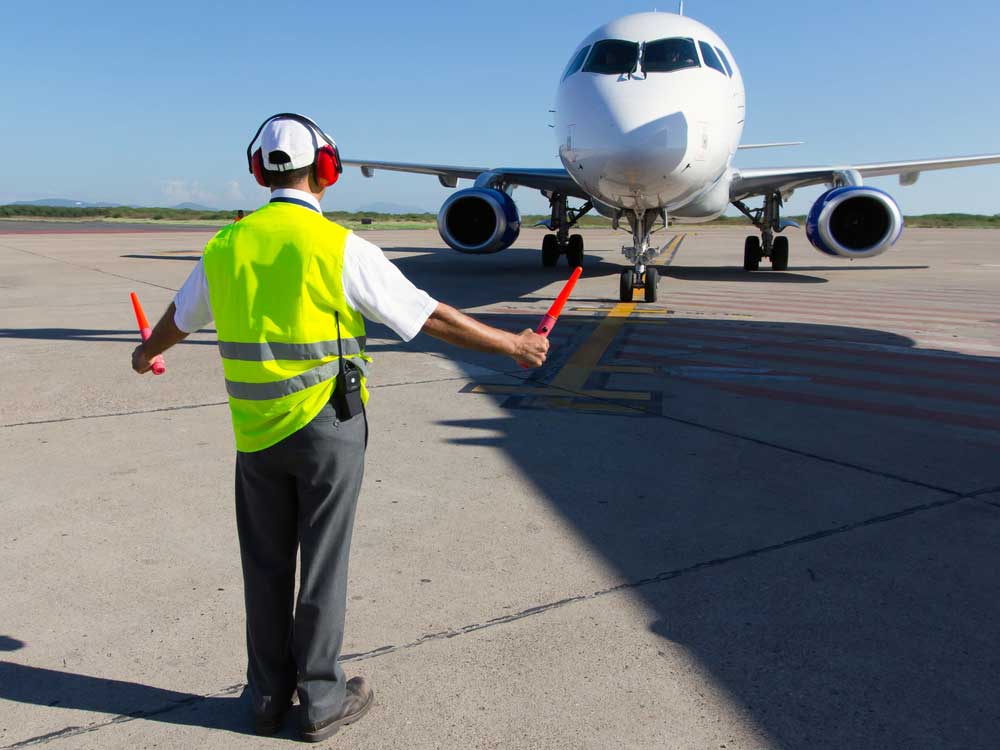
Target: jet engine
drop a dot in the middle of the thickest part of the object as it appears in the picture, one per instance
(854, 222)
(479, 221)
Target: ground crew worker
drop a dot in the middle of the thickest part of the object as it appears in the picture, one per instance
(289, 291)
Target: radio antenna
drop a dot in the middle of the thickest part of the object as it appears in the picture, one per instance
(680, 7)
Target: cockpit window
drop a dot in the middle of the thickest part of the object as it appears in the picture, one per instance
(576, 63)
(711, 59)
(612, 57)
(666, 55)
(725, 61)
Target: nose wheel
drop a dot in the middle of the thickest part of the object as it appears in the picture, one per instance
(631, 280)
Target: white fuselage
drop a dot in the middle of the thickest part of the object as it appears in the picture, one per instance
(652, 139)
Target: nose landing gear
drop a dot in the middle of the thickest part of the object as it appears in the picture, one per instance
(641, 275)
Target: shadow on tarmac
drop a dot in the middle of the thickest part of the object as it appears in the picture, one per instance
(10, 644)
(789, 508)
(139, 256)
(50, 687)
(85, 334)
(792, 517)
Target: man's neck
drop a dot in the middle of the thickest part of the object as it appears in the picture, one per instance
(296, 194)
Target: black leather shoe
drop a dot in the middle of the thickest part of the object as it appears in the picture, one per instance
(358, 700)
(268, 725)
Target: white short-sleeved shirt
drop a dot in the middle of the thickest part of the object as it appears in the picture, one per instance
(372, 285)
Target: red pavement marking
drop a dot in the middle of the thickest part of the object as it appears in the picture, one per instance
(905, 389)
(854, 306)
(904, 295)
(846, 315)
(909, 372)
(960, 361)
(869, 407)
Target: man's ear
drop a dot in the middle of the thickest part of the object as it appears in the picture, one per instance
(314, 187)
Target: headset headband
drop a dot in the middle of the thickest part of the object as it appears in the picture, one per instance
(298, 118)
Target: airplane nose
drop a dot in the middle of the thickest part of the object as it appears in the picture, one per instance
(646, 152)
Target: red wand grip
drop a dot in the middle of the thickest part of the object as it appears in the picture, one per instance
(159, 367)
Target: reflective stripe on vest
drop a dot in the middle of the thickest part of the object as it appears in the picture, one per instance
(267, 351)
(279, 388)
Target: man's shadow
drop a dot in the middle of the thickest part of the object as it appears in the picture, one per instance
(226, 709)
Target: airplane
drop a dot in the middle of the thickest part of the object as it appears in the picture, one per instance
(649, 115)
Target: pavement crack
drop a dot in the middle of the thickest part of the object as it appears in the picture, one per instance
(72, 731)
(88, 268)
(538, 609)
(666, 576)
(109, 415)
(182, 407)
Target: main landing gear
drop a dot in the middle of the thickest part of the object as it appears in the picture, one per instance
(768, 220)
(641, 275)
(562, 242)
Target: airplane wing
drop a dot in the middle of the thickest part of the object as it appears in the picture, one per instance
(747, 183)
(549, 180)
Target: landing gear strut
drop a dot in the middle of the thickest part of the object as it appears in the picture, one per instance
(562, 242)
(641, 275)
(768, 220)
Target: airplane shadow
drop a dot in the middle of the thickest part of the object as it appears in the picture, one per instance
(766, 552)
(738, 275)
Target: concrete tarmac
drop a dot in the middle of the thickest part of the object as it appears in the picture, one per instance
(763, 512)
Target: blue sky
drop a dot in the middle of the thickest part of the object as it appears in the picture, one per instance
(153, 105)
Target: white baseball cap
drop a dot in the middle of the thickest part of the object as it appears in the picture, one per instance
(288, 144)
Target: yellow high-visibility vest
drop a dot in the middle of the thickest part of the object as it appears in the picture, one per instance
(275, 281)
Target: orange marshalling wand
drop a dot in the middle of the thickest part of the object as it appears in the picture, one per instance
(549, 321)
(144, 330)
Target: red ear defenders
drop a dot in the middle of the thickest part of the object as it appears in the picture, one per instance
(326, 166)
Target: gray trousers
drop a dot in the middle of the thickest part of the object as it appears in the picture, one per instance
(300, 493)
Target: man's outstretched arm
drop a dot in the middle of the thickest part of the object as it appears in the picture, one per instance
(450, 325)
(164, 335)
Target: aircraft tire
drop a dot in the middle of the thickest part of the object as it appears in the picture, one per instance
(550, 251)
(626, 285)
(574, 251)
(751, 253)
(779, 254)
(649, 282)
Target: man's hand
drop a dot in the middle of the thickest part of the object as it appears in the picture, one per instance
(532, 349)
(165, 335)
(141, 363)
(448, 324)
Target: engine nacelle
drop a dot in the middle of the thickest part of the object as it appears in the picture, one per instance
(479, 221)
(854, 222)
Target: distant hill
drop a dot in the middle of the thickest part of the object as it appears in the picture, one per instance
(193, 207)
(63, 203)
(384, 207)
(70, 203)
